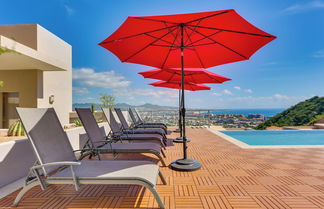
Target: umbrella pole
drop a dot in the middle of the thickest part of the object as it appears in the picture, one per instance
(184, 164)
(179, 139)
(180, 128)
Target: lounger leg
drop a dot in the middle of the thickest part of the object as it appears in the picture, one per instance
(23, 191)
(163, 145)
(156, 196)
(162, 178)
(160, 158)
(163, 153)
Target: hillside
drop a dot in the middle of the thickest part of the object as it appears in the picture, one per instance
(125, 106)
(300, 114)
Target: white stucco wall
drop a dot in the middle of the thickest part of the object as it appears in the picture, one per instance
(42, 52)
(57, 83)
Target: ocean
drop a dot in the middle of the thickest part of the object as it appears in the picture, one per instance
(266, 112)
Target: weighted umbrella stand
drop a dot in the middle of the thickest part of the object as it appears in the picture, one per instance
(185, 163)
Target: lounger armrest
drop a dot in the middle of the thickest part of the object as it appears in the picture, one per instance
(63, 163)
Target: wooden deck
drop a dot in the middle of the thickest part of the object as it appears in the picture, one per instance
(231, 177)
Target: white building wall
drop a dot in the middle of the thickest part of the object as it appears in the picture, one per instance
(56, 83)
(46, 55)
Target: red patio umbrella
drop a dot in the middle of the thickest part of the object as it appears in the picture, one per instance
(177, 85)
(204, 39)
(192, 75)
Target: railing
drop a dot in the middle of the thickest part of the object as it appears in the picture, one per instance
(171, 117)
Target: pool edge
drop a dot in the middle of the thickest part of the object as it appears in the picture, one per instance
(246, 146)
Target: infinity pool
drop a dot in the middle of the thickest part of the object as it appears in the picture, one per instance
(282, 137)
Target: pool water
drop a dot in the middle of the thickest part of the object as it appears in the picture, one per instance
(281, 137)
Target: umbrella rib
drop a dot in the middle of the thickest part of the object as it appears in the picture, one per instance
(131, 36)
(158, 38)
(169, 80)
(233, 31)
(139, 51)
(219, 81)
(169, 46)
(199, 58)
(148, 19)
(216, 42)
(203, 38)
(170, 49)
(208, 16)
(192, 32)
(174, 35)
(155, 73)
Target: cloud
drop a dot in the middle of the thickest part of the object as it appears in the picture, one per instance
(304, 7)
(274, 101)
(87, 77)
(319, 54)
(139, 92)
(217, 94)
(70, 11)
(85, 100)
(79, 91)
(280, 97)
(227, 92)
(224, 92)
(248, 91)
(244, 90)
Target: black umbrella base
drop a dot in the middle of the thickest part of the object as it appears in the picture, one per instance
(180, 140)
(177, 130)
(185, 164)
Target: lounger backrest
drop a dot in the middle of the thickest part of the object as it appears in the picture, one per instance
(121, 118)
(49, 141)
(90, 125)
(139, 119)
(131, 114)
(114, 126)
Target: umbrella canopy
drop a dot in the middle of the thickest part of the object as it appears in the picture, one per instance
(177, 85)
(192, 75)
(209, 39)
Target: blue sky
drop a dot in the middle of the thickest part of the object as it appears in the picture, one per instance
(284, 72)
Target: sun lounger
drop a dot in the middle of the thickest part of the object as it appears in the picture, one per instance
(57, 164)
(139, 124)
(99, 143)
(117, 134)
(139, 118)
(135, 130)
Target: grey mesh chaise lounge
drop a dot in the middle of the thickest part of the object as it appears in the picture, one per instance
(117, 134)
(99, 143)
(139, 124)
(142, 122)
(134, 130)
(57, 164)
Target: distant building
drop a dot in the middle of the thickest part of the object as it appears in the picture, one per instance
(256, 116)
(37, 73)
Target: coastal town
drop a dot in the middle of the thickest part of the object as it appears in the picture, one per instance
(204, 118)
